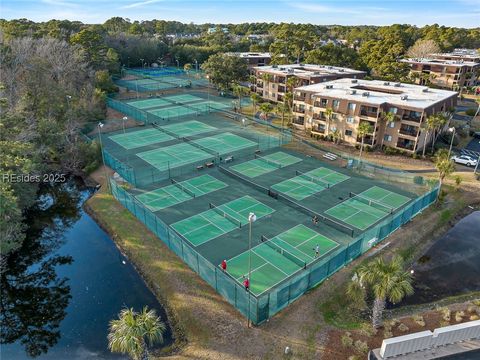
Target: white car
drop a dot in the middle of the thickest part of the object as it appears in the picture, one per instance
(465, 160)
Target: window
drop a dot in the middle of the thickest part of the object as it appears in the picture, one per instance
(333, 128)
(393, 110)
(324, 102)
(351, 106)
(391, 124)
(350, 120)
(334, 116)
(387, 138)
(348, 132)
(336, 103)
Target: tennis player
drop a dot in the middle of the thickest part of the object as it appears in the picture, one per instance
(224, 265)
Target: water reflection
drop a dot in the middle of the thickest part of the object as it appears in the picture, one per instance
(451, 265)
(60, 290)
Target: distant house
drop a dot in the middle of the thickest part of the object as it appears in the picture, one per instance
(217, 28)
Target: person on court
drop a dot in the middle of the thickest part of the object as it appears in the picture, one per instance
(224, 265)
(246, 283)
(315, 220)
(317, 251)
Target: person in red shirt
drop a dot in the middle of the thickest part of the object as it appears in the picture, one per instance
(246, 283)
(224, 265)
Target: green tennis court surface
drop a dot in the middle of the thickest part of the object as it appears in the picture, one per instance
(367, 208)
(220, 220)
(189, 128)
(174, 156)
(174, 80)
(183, 98)
(179, 192)
(275, 259)
(265, 164)
(135, 139)
(225, 143)
(148, 103)
(309, 183)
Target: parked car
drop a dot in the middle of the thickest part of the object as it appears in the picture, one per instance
(464, 160)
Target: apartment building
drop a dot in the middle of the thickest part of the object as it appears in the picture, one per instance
(254, 59)
(449, 74)
(271, 81)
(353, 101)
(459, 55)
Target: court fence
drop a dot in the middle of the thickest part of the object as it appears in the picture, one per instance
(260, 308)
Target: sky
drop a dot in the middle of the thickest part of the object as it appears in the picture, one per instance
(460, 13)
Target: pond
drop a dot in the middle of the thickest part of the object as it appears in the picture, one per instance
(65, 284)
(451, 265)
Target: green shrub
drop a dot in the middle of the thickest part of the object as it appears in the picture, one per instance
(368, 330)
(419, 320)
(459, 316)
(403, 328)
(361, 346)
(474, 317)
(445, 312)
(346, 340)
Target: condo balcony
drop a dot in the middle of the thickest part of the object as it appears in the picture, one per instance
(408, 130)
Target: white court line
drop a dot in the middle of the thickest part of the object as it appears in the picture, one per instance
(211, 222)
(295, 247)
(271, 263)
(257, 268)
(176, 198)
(365, 211)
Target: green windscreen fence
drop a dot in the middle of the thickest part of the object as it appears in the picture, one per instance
(262, 307)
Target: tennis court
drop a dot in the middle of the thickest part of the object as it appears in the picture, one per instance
(180, 192)
(275, 259)
(188, 109)
(188, 128)
(183, 98)
(365, 209)
(309, 183)
(149, 103)
(225, 143)
(265, 164)
(174, 156)
(219, 220)
(136, 139)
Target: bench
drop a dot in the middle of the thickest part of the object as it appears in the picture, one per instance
(330, 156)
(209, 164)
(199, 167)
(228, 159)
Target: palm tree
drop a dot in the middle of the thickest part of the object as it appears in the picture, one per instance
(444, 166)
(328, 114)
(363, 129)
(441, 119)
(255, 100)
(266, 108)
(240, 91)
(281, 109)
(336, 136)
(132, 332)
(428, 125)
(389, 118)
(387, 281)
(267, 78)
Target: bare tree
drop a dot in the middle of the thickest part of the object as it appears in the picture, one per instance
(423, 48)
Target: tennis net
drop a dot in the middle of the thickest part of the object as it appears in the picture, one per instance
(293, 258)
(225, 215)
(268, 161)
(179, 103)
(335, 224)
(313, 179)
(183, 188)
(156, 126)
(372, 203)
(201, 147)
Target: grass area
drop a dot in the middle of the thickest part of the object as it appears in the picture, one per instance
(339, 312)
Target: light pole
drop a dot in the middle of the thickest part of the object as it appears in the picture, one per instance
(251, 219)
(136, 87)
(125, 118)
(142, 62)
(100, 126)
(476, 166)
(452, 130)
(196, 65)
(178, 63)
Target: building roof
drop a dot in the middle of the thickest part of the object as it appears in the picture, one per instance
(429, 61)
(308, 70)
(376, 92)
(250, 55)
(461, 53)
